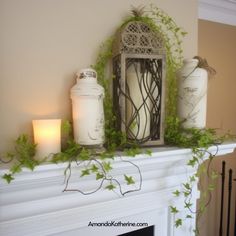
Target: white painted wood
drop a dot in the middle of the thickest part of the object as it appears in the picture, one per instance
(34, 204)
(222, 11)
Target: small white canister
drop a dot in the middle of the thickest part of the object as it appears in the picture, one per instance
(192, 94)
(87, 109)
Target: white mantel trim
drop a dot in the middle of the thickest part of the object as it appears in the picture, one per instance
(33, 204)
(222, 11)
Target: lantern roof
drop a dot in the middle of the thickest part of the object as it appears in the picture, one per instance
(138, 38)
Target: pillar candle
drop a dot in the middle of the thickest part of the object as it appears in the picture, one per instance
(47, 136)
(141, 126)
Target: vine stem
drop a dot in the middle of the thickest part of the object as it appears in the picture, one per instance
(6, 162)
(106, 177)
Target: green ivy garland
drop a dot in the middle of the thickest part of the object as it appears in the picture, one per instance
(98, 163)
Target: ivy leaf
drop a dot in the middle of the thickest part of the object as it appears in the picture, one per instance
(187, 205)
(196, 231)
(66, 127)
(202, 207)
(29, 163)
(192, 179)
(8, 177)
(99, 176)
(106, 155)
(94, 168)
(107, 166)
(189, 217)
(176, 193)
(84, 154)
(22, 139)
(187, 186)
(15, 169)
(132, 152)
(178, 223)
(201, 170)
(129, 180)
(25, 149)
(148, 152)
(110, 187)
(192, 162)
(186, 193)
(174, 210)
(85, 172)
(59, 157)
(214, 175)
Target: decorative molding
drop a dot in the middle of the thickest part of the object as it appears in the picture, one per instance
(34, 204)
(222, 11)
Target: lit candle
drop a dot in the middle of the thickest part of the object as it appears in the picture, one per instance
(47, 136)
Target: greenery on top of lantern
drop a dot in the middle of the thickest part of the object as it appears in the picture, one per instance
(98, 163)
(161, 24)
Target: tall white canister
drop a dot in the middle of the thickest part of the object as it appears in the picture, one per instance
(192, 94)
(87, 109)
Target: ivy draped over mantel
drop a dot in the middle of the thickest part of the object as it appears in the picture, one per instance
(98, 163)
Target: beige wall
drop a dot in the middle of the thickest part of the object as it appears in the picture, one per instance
(217, 43)
(44, 42)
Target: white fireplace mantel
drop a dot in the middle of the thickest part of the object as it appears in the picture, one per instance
(34, 204)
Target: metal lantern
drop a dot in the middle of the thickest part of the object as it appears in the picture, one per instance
(138, 87)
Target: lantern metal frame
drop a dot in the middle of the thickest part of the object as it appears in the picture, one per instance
(137, 43)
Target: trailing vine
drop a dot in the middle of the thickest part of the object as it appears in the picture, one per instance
(199, 140)
(99, 164)
(94, 163)
(101, 169)
(23, 157)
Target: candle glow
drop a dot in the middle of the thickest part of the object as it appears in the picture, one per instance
(47, 136)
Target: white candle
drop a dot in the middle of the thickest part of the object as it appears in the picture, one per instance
(47, 136)
(141, 124)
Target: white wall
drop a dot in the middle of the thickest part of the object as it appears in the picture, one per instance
(44, 42)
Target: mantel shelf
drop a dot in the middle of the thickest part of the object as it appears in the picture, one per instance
(159, 154)
(38, 196)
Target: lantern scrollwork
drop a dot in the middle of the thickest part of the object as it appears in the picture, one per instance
(139, 61)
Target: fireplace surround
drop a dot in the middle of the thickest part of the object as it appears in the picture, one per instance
(147, 231)
(34, 204)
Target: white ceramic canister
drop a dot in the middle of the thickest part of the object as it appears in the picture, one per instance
(87, 109)
(192, 94)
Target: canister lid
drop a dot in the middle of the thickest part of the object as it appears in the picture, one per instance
(87, 73)
(87, 85)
